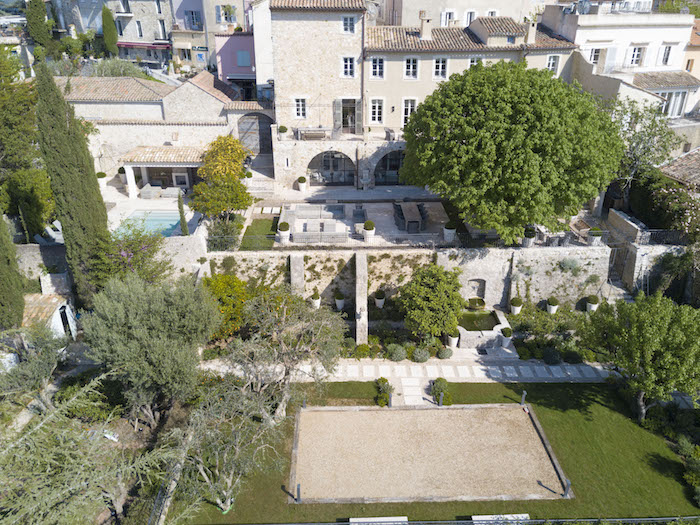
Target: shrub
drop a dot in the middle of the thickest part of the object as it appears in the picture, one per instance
(451, 225)
(316, 296)
(410, 349)
(453, 332)
(421, 355)
(516, 301)
(553, 301)
(569, 265)
(369, 225)
(551, 356)
(530, 233)
(685, 447)
(395, 352)
(283, 227)
(441, 386)
(380, 294)
(362, 351)
(223, 235)
(444, 353)
(507, 332)
(383, 399)
(282, 129)
(301, 180)
(339, 295)
(592, 299)
(595, 232)
(232, 294)
(101, 174)
(384, 386)
(121, 170)
(523, 351)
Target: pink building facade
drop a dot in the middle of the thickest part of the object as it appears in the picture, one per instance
(235, 61)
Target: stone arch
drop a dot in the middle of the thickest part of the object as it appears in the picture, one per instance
(331, 168)
(377, 161)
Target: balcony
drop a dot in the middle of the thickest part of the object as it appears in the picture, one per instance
(161, 37)
(328, 133)
(124, 14)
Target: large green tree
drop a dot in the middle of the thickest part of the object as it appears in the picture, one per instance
(149, 334)
(653, 343)
(79, 204)
(29, 193)
(11, 282)
(37, 25)
(511, 146)
(109, 31)
(432, 301)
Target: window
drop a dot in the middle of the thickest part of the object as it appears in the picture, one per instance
(411, 69)
(124, 5)
(440, 68)
(120, 28)
(666, 56)
(595, 55)
(409, 107)
(376, 114)
(636, 56)
(348, 67)
(689, 65)
(163, 33)
(674, 106)
(159, 8)
(469, 17)
(139, 29)
(511, 40)
(474, 61)
(553, 63)
(186, 54)
(377, 67)
(225, 14)
(446, 17)
(492, 13)
(348, 24)
(193, 20)
(243, 58)
(300, 107)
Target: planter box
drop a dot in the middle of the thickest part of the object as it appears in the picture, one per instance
(452, 341)
(284, 236)
(515, 310)
(592, 307)
(339, 304)
(303, 186)
(528, 242)
(379, 303)
(369, 235)
(552, 309)
(316, 303)
(448, 235)
(505, 341)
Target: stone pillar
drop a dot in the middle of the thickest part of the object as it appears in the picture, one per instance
(597, 204)
(296, 273)
(361, 283)
(131, 187)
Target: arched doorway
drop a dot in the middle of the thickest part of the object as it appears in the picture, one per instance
(331, 168)
(387, 171)
(255, 134)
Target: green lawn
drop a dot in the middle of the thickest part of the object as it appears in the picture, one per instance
(260, 235)
(617, 468)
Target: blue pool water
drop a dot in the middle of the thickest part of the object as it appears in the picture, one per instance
(165, 222)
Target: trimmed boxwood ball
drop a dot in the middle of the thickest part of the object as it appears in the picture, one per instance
(121, 170)
(507, 332)
(551, 356)
(421, 355)
(301, 180)
(395, 352)
(453, 333)
(369, 225)
(592, 299)
(553, 301)
(339, 295)
(451, 225)
(380, 294)
(316, 296)
(101, 174)
(530, 233)
(283, 227)
(441, 386)
(444, 353)
(282, 129)
(362, 351)
(516, 301)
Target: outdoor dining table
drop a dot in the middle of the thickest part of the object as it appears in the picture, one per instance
(412, 217)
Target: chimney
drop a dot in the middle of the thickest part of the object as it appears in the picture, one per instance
(426, 26)
(531, 31)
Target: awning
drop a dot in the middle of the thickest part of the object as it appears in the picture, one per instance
(182, 45)
(143, 45)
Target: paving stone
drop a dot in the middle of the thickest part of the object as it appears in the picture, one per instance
(416, 371)
(276, 209)
(400, 371)
(479, 371)
(510, 371)
(587, 371)
(463, 371)
(431, 371)
(267, 210)
(410, 381)
(413, 400)
(448, 371)
(572, 371)
(525, 371)
(368, 370)
(541, 371)
(556, 371)
(602, 371)
(353, 371)
(384, 370)
(257, 210)
(494, 372)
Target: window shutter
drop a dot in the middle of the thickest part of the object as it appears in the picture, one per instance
(337, 114)
(358, 116)
(218, 14)
(443, 19)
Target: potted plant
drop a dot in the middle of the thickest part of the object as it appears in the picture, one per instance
(303, 183)
(369, 230)
(316, 299)
(516, 304)
(529, 237)
(506, 336)
(595, 236)
(283, 232)
(453, 338)
(379, 298)
(552, 305)
(449, 230)
(339, 300)
(282, 130)
(592, 303)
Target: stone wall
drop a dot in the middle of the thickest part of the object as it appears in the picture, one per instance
(642, 264)
(330, 271)
(31, 258)
(185, 252)
(392, 269)
(189, 102)
(266, 266)
(624, 226)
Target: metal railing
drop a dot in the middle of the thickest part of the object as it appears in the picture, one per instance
(672, 237)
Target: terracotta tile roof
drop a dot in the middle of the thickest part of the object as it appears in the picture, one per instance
(656, 80)
(695, 34)
(113, 89)
(502, 26)
(319, 5)
(248, 105)
(164, 155)
(685, 169)
(393, 38)
(38, 308)
(215, 87)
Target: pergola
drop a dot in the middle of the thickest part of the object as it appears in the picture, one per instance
(179, 159)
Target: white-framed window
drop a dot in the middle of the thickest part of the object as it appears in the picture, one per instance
(300, 107)
(349, 24)
(595, 55)
(666, 55)
(553, 63)
(159, 8)
(674, 106)
(469, 17)
(474, 61)
(377, 68)
(689, 65)
(139, 29)
(124, 4)
(410, 69)
(511, 40)
(636, 56)
(163, 32)
(120, 28)
(492, 12)
(446, 16)
(440, 68)
(193, 20)
(348, 67)
(376, 110)
(409, 107)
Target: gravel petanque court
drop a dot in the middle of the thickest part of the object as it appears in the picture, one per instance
(463, 452)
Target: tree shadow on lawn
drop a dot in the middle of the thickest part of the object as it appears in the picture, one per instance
(668, 467)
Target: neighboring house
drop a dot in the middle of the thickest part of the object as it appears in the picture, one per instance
(154, 130)
(346, 104)
(692, 51)
(685, 169)
(459, 12)
(53, 311)
(235, 61)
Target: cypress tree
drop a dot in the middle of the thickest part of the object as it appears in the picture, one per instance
(183, 221)
(36, 22)
(79, 204)
(109, 31)
(11, 282)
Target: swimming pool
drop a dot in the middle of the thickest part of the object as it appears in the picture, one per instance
(165, 222)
